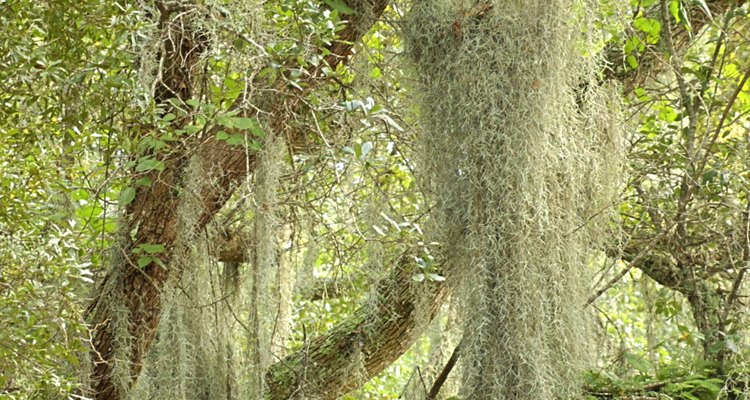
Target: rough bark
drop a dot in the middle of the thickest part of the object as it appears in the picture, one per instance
(363, 345)
(152, 217)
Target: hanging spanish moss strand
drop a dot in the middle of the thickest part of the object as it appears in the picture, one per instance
(263, 300)
(518, 170)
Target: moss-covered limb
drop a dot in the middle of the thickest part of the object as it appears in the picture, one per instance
(151, 219)
(361, 346)
(229, 165)
(153, 214)
(707, 303)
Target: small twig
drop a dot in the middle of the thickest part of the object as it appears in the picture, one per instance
(722, 120)
(674, 62)
(630, 266)
(406, 386)
(440, 380)
(688, 184)
(741, 274)
(609, 284)
(421, 379)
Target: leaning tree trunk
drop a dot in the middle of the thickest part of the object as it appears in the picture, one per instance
(127, 307)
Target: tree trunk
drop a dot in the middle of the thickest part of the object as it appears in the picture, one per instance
(127, 307)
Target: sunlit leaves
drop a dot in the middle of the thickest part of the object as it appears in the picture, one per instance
(340, 6)
(241, 131)
(650, 26)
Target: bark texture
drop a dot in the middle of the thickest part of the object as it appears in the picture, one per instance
(151, 219)
(363, 345)
(131, 295)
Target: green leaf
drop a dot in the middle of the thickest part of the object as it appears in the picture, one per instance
(732, 346)
(148, 164)
(249, 124)
(191, 129)
(90, 211)
(632, 61)
(641, 93)
(709, 176)
(647, 25)
(388, 120)
(375, 73)
(126, 196)
(716, 347)
(366, 148)
(80, 194)
(634, 44)
(144, 181)
(340, 6)
(650, 26)
(144, 261)
(110, 226)
(236, 139)
(253, 145)
(667, 114)
(674, 9)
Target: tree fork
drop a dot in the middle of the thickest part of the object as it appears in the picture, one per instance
(152, 216)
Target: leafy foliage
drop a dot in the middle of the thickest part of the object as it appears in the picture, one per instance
(84, 140)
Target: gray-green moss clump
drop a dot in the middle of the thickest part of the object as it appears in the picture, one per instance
(519, 161)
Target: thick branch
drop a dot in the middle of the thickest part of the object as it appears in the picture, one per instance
(363, 345)
(376, 335)
(152, 216)
(132, 294)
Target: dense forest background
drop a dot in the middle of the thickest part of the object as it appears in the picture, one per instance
(373, 199)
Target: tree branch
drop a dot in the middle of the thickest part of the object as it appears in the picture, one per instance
(152, 216)
(440, 380)
(360, 347)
